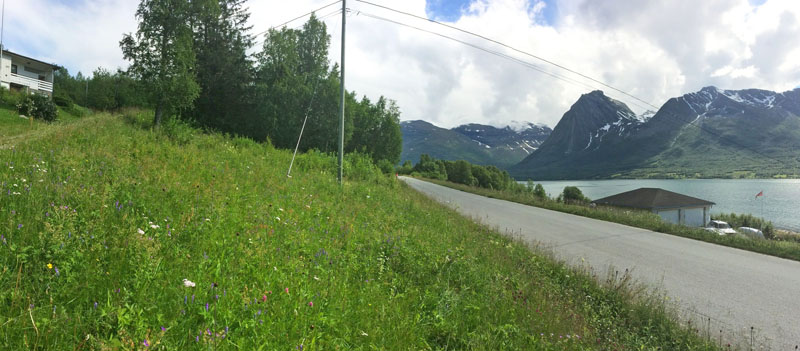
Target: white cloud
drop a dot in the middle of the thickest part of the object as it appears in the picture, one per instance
(81, 35)
(652, 49)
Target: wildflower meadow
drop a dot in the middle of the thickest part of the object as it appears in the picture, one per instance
(116, 236)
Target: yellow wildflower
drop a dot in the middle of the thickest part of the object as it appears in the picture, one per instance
(49, 266)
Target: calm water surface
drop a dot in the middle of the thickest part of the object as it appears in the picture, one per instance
(780, 203)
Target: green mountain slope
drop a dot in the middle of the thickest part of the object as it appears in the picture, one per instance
(710, 133)
(477, 144)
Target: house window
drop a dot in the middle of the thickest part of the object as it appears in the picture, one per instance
(14, 69)
(41, 77)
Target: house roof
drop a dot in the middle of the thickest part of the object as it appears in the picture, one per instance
(31, 59)
(652, 198)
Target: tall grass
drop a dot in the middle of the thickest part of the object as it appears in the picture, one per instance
(640, 219)
(103, 220)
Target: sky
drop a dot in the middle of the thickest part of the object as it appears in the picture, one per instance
(651, 49)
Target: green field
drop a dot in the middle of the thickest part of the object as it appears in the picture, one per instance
(103, 218)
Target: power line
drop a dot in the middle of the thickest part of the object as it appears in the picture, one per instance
(489, 51)
(299, 17)
(511, 48)
(321, 19)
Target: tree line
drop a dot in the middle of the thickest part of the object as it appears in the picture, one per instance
(190, 60)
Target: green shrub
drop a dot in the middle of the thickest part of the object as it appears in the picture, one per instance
(179, 131)
(572, 194)
(386, 166)
(358, 166)
(62, 101)
(539, 191)
(405, 168)
(38, 106)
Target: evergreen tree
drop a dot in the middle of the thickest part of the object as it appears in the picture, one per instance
(162, 55)
(224, 70)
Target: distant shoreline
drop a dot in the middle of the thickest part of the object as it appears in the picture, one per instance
(634, 178)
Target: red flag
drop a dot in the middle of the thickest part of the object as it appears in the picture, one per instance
(760, 193)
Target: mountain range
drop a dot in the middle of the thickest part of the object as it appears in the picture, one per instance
(707, 134)
(476, 143)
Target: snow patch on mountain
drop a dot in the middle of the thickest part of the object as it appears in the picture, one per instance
(520, 127)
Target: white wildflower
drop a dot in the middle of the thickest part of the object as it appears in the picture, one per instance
(16, 185)
(141, 232)
(280, 209)
(316, 278)
(15, 193)
(24, 180)
(364, 334)
(207, 220)
(154, 226)
(278, 219)
(188, 283)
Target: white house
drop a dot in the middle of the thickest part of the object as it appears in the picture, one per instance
(672, 207)
(23, 73)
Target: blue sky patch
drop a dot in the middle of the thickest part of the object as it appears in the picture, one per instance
(451, 10)
(446, 10)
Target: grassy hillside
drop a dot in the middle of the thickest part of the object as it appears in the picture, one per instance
(102, 220)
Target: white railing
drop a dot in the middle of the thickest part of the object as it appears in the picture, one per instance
(31, 83)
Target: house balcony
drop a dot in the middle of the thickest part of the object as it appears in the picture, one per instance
(31, 83)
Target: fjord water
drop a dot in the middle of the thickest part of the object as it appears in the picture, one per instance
(781, 200)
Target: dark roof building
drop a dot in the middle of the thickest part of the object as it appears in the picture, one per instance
(652, 198)
(671, 206)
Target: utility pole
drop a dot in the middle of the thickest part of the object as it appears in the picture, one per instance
(341, 103)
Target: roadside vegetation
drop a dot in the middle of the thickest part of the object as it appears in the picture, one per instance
(118, 236)
(571, 200)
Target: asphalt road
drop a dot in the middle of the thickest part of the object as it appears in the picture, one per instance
(736, 289)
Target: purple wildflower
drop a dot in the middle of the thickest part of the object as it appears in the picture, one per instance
(163, 329)
(197, 338)
(95, 304)
(206, 306)
(57, 272)
(146, 344)
(19, 226)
